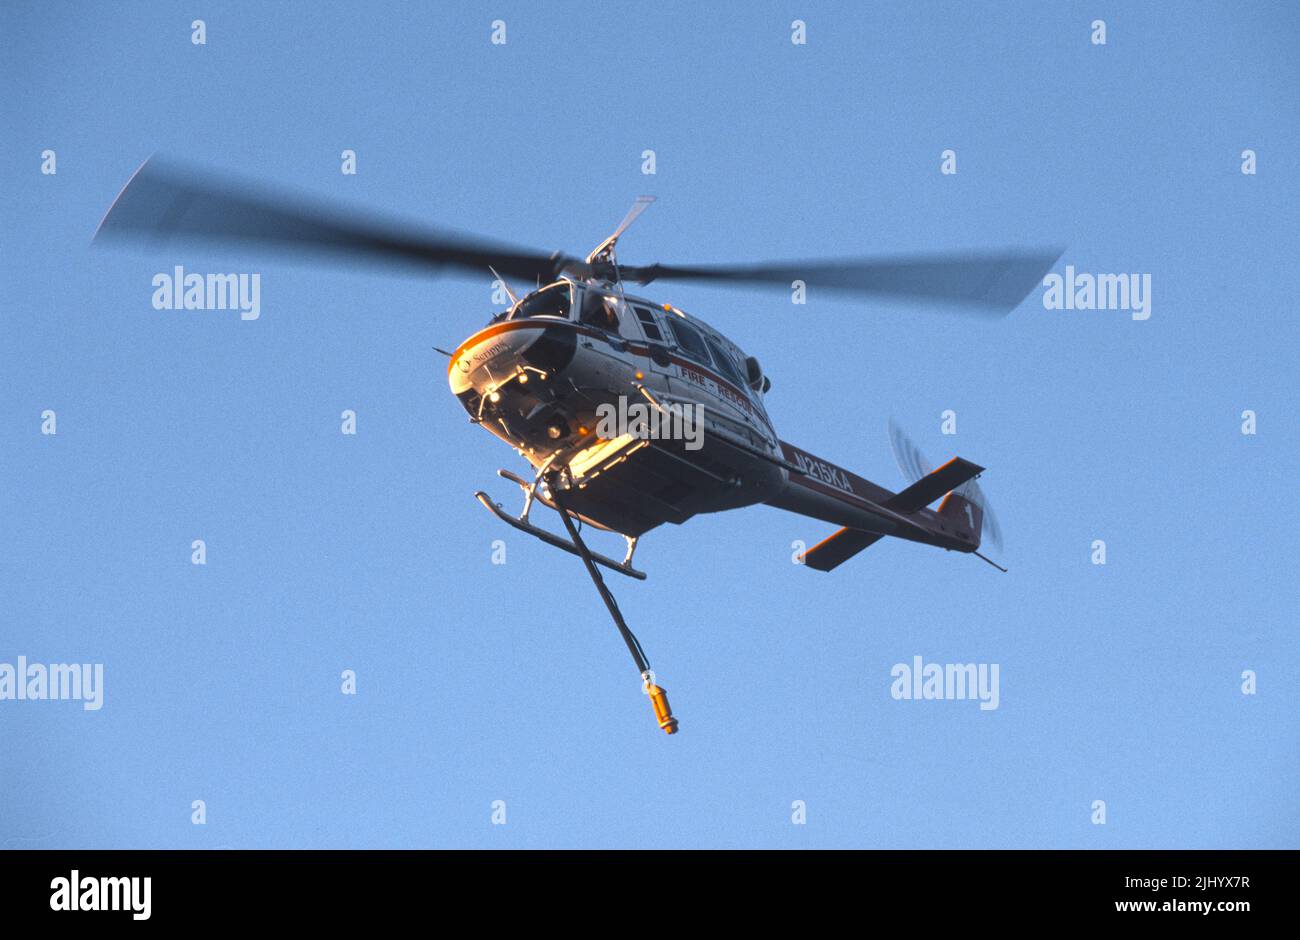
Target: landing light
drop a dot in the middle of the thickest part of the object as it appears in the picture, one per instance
(494, 397)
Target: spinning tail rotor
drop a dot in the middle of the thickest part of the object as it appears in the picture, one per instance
(913, 465)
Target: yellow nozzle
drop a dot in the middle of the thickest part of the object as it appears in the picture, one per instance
(663, 711)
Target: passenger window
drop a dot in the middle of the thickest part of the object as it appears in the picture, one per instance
(648, 324)
(688, 339)
(726, 365)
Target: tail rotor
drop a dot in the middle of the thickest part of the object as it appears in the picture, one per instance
(913, 465)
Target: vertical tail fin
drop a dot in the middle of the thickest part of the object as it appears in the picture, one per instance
(966, 507)
(963, 513)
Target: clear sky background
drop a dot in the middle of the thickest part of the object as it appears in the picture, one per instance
(478, 682)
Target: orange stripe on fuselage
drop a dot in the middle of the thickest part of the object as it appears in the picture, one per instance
(506, 326)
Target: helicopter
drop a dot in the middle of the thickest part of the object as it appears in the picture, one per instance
(581, 377)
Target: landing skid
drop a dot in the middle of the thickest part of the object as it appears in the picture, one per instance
(522, 523)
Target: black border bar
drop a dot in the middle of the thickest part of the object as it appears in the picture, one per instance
(234, 888)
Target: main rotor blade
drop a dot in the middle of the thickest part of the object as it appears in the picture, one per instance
(165, 201)
(997, 282)
(642, 203)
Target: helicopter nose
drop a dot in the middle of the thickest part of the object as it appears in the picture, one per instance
(489, 357)
(552, 350)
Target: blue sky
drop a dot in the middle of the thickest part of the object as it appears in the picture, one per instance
(479, 682)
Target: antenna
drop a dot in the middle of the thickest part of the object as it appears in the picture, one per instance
(509, 292)
(990, 561)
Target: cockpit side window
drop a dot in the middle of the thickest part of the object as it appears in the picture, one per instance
(552, 301)
(688, 339)
(599, 310)
(726, 365)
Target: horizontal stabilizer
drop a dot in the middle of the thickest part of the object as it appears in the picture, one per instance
(933, 485)
(838, 548)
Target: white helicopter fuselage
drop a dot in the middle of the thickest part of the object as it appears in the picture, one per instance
(661, 406)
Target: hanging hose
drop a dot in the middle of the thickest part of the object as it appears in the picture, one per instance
(658, 697)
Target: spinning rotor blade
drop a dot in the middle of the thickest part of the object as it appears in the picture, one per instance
(907, 455)
(163, 201)
(997, 282)
(642, 203)
(913, 465)
(991, 530)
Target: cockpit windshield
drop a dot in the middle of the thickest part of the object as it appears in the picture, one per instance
(551, 301)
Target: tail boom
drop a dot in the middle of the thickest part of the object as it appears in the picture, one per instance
(867, 511)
